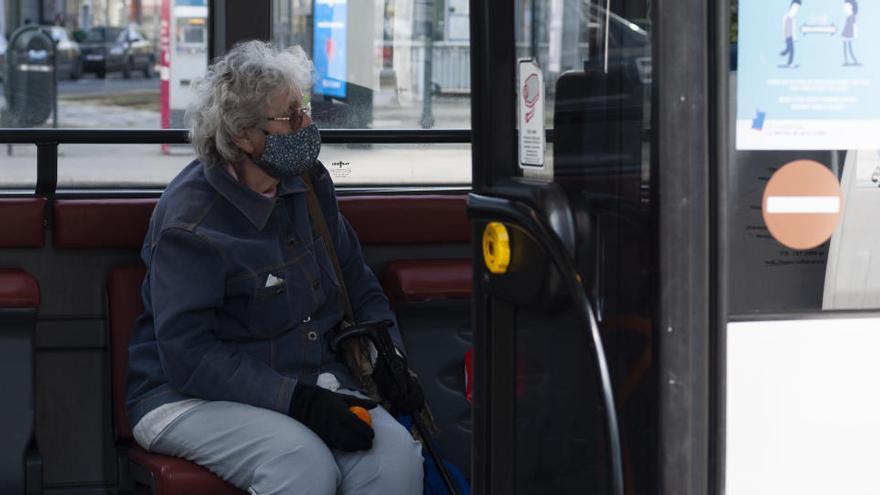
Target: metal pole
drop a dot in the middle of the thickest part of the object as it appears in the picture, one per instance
(534, 31)
(290, 40)
(427, 90)
(682, 95)
(55, 84)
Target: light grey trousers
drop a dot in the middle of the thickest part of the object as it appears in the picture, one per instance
(266, 452)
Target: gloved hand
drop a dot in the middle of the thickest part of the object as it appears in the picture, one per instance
(407, 400)
(326, 413)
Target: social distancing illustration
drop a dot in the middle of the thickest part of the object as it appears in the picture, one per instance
(807, 71)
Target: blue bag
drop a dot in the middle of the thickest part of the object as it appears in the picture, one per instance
(433, 480)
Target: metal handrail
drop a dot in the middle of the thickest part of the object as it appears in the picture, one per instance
(48, 140)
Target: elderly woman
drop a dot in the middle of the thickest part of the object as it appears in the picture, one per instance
(229, 366)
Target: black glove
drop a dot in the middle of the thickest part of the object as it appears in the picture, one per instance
(407, 399)
(326, 413)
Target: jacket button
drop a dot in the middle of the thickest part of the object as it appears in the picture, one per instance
(312, 335)
(316, 284)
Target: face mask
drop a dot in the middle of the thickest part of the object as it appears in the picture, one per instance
(290, 154)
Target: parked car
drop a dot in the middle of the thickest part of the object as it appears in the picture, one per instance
(111, 49)
(67, 53)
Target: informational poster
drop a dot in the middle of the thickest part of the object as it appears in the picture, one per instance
(532, 135)
(330, 54)
(808, 75)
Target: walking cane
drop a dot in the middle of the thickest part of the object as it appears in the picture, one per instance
(378, 334)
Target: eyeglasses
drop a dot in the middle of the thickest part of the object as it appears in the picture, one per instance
(296, 116)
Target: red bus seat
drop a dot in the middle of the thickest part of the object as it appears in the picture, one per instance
(165, 475)
(19, 299)
(21, 222)
(427, 280)
(81, 224)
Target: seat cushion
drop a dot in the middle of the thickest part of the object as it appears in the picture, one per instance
(125, 305)
(173, 476)
(18, 289)
(427, 280)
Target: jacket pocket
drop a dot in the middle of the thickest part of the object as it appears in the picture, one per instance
(269, 311)
(281, 300)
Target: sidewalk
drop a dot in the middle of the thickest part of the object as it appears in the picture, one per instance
(144, 165)
(89, 115)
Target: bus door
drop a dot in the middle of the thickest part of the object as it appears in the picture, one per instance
(566, 257)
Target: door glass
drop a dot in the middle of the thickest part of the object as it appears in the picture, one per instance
(802, 89)
(595, 58)
(803, 284)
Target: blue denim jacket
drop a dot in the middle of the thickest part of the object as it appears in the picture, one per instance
(240, 293)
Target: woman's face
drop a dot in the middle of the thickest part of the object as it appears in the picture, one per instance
(847, 8)
(284, 104)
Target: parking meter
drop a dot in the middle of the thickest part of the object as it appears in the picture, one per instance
(30, 71)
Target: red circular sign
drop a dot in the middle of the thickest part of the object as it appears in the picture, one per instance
(802, 204)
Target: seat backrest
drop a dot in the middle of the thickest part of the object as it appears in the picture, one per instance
(21, 222)
(124, 306)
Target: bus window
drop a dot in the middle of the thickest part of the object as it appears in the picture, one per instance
(117, 69)
(389, 65)
(386, 65)
(384, 85)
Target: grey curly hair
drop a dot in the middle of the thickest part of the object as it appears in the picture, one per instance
(234, 92)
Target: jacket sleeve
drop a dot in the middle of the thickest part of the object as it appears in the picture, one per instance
(187, 287)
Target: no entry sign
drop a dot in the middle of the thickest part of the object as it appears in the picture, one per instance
(802, 204)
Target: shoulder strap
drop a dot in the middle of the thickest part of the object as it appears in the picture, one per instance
(355, 351)
(321, 224)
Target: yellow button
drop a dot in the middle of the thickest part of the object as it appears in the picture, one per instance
(496, 247)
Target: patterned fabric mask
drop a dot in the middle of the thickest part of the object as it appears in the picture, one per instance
(291, 154)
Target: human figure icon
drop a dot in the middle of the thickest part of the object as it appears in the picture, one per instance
(850, 32)
(788, 32)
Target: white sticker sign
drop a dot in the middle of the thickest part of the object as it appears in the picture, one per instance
(808, 73)
(532, 137)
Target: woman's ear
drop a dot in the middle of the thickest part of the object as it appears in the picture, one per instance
(244, 142)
